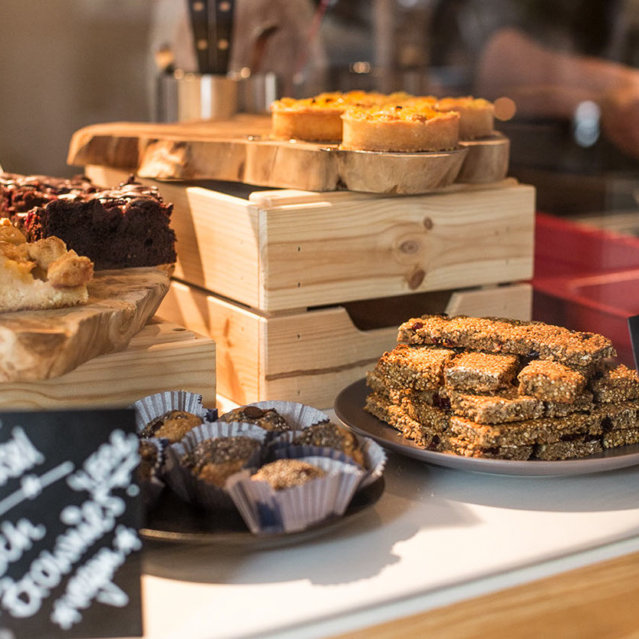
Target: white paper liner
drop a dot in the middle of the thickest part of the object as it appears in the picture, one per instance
(189, 487)
(374, 454)
(152, 406)
(268, 511)
(298, 415)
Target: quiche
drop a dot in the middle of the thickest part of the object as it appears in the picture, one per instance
(399, 128)
(476, 115)
(40, 275)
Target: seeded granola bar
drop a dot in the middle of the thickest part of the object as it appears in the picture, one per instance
(463, 448)
(581, 446)
(583, 403)
(550, 381)
(497, 335)
(480, 372)
(507, 406)
(621, 437)
(619, 384)
(418, 367)
(527, 432)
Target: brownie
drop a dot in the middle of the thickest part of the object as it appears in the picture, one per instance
(173, 425)
(513, 337)
(215, 460)
(480, 372)
(418, 367)
(117, 228)
(331, 435)
(550, 381)
(266, 418)
(20, 193)
(619, 384)
(287, 473)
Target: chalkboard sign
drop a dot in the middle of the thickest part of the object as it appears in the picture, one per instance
(69, 518)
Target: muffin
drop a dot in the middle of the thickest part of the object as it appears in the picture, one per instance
(330, 435)
(286, 473)
(266, 418)
(172, 425)
(214, 460)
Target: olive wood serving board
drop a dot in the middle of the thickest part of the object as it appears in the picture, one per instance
(38, 345)
(240, 150)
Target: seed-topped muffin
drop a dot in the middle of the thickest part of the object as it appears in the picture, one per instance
(266, 418)
(214, 460)
(173, 425)
(331, 435)
(286, 473)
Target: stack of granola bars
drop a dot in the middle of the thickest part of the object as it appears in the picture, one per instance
(485, 387)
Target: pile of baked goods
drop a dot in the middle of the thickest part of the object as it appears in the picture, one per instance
(500, 388)
(115, 228)
(283, 465)
(396, 122)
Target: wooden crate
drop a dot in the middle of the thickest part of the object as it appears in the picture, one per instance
(310, 355)
(162, 356)
(282, 250)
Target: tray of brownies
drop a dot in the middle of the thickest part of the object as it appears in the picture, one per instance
(499, 396)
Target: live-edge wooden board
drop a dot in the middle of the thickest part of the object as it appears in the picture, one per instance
(240, 150)
(37, 345)
(161, 357)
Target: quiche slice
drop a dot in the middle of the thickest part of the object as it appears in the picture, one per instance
(40, 275)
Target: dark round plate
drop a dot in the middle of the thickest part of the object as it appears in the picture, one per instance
(349, 407)
(176, 521)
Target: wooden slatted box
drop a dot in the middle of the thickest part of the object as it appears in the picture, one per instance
(291, 285)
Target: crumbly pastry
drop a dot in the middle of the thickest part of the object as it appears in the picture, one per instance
(40, 275)
(287, 473)
(173, 425)
(331, 435)
(267, 418)
(398, 128)
(215, 460)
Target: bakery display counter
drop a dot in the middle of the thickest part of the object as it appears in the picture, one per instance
(437, 536)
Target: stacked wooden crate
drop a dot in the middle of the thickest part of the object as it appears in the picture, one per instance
(302, 291)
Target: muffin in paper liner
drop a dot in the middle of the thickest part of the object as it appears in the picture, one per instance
(150, 470)
(268, 511)
(191, 488)
(297, 415)
(374, 455)
(153, 406)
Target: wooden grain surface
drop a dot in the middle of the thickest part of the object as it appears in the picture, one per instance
(241, 150)
(594, 602)
(161, 357)
(309, 356)
(290, 249)
(37, 345)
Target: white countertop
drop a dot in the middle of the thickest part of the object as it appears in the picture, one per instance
(436, 536)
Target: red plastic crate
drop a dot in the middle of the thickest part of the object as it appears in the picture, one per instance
(586, 279)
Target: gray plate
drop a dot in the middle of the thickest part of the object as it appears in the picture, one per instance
(349, 408)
